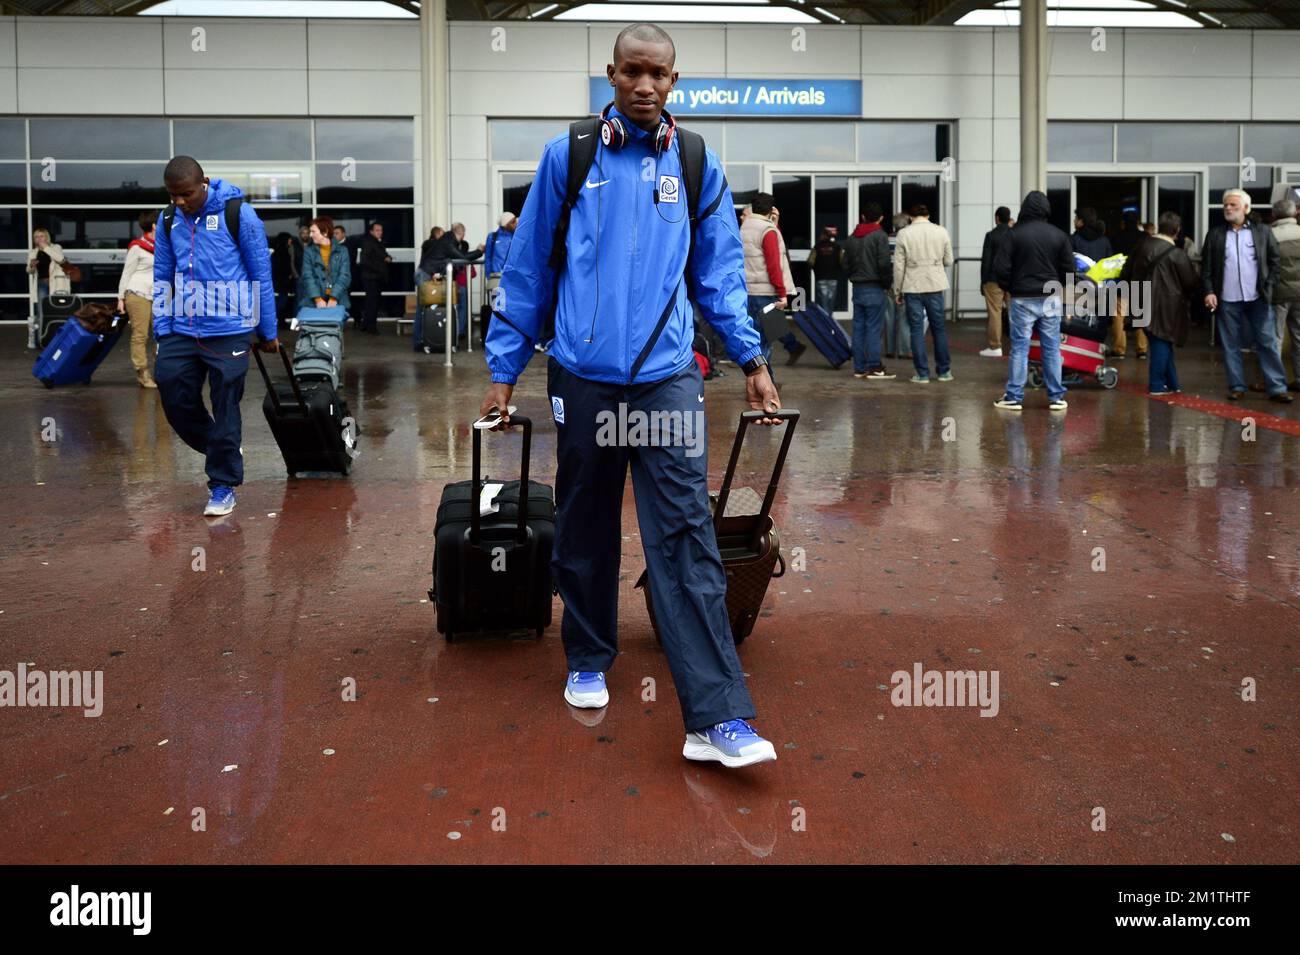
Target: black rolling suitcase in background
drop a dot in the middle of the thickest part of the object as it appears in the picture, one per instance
(493, 572)
(55, 311)
(434, 331)
(310, 421)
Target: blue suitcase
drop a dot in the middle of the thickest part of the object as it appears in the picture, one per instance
(825, 334)
(74, 354)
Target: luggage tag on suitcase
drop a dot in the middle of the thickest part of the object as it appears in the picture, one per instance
(487, 500)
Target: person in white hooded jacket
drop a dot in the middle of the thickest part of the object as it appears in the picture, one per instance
(135, 296)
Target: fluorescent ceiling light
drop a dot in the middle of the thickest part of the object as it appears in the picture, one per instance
(295, 9)
(685, 12)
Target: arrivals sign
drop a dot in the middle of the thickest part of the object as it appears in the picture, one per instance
(708, 96)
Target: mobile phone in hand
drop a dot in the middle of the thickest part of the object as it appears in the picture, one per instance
(492, 418)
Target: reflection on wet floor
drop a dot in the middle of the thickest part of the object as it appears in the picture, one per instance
(1124, 566)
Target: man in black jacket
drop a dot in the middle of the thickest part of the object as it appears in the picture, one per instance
(994, 298)
(1088, 238)
(1239, 266)
(374, 275)
(867, 263)
(1032, 264)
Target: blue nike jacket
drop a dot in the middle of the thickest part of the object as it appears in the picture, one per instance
(204, 285)
(622, 313)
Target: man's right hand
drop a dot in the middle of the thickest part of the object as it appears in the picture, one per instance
(498, 396)
(783, 303)
(1212, 302)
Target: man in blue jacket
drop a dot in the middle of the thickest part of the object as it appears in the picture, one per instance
(623, 347)
(212, 296)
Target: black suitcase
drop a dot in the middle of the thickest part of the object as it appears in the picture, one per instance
(55, 310)
(434, 330)
(310, 421)
(493, 573)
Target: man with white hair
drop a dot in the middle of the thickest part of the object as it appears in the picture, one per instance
(1239, 267)
(1286, 293)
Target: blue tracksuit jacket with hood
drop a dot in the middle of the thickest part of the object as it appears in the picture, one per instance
(203, 284)
(626, 269)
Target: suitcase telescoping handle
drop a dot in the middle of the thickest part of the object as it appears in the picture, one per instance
(270, 388)
(474, 520)
(746, 418)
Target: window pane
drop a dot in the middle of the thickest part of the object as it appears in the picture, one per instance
(1172, 142)
(13, 275)
(744, 181)
(101, 184)
(1261, 187)
(83, 229)
(13, 183)
(712, 133)
(1215, 217)
(14, 309)
(13, 140)
(399, 224)
(13, 229)
(1222, 177)
(1272, 142)
(903, 142)
(118, 138)
(228, 139)
(522, 138)
(514, 190)
(832, 205)
(878, 189)
(365, 139)
(1079, 142)
(1178, 194)
(793, 195)
(374, 183)
(277, 220)
(272, 185)
(804, 142)
(1058, 197)
(925, 190)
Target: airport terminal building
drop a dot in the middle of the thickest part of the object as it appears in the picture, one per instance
(327, 117)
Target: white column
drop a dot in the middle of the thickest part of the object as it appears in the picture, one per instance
(434, 123)
(1033, 96)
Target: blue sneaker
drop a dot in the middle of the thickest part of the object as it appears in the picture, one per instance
(221, 502)
(733, 743)
(586, 690)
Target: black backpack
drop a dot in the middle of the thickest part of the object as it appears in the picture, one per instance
(232, 218)
(582, 150)
(583, 136)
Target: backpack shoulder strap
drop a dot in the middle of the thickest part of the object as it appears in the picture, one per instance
(582, 149)
(232, 218)
(168, 217)
(692, 147)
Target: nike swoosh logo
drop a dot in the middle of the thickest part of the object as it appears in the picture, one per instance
(700, 398)
(593, 185)
(583, 135)
(237, 353)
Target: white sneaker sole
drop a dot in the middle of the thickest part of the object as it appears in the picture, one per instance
(587, 701)
(217, 511)
(707, 752)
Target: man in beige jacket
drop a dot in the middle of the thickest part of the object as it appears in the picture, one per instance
(922, 254)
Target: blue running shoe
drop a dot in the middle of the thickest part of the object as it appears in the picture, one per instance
(733, 743)
(586, 690)
(221, 502)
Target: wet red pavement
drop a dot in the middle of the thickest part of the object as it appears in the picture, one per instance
(958, 544)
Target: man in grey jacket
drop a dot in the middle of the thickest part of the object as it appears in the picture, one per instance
(867, 264)
(1286, 293)
(1239, 267)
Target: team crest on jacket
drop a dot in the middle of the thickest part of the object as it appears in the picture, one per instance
(212, 223)
(557, 409)
(667, 188)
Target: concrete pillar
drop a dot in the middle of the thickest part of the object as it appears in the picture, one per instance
(1033, 96)
(434, 123)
